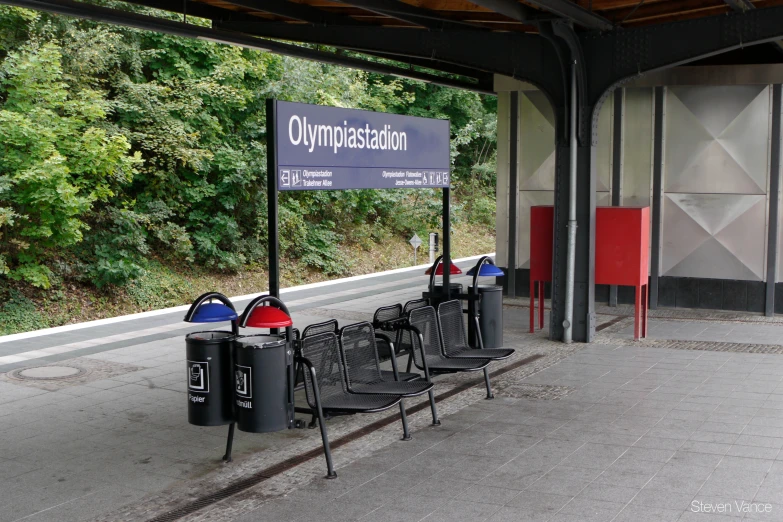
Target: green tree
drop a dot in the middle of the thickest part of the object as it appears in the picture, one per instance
(55, 160)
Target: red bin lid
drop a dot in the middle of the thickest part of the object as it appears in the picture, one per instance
(269, 317)
(439, 271)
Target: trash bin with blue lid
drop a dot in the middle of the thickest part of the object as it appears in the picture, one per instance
(208, 357)
(485, 307)
(209, 365)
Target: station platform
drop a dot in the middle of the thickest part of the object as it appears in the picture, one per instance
(661, 429)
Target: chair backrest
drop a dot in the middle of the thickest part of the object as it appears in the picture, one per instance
(386, 313)
(319, 328)
(413, 305)
(404, 342)
(360, 354)
(452, 327)
(323, 351)
(426, 321)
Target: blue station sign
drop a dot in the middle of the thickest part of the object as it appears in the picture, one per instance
(330, 148)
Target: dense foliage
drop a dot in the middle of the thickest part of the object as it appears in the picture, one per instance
(118, 146)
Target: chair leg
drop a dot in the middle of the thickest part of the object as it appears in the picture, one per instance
(541, 296)
(330, 473)
(410, 361)
(313, 422)
(489, 388)
(229, 442)
(435, 419)
(406, 434)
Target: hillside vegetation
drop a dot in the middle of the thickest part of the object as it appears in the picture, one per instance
(133, 164)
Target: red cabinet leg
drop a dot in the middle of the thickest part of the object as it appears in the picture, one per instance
(637, 312)
(532, 306)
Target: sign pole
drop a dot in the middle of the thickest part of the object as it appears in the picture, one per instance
(272, 203)
(446, 241)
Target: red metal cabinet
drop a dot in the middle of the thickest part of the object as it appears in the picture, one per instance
(622, 254)
(542, 220)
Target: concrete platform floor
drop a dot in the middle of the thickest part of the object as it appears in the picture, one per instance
(613, 431)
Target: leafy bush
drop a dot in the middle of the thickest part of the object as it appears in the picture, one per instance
(19, 314)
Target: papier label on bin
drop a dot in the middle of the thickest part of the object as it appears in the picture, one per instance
(198, 376)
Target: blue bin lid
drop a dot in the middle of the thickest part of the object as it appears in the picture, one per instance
(487, 270)
(213, 313)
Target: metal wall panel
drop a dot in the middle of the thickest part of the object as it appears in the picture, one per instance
(603, 154)
(637, 147)
(536, 164)
(501, 190)
(716, 153)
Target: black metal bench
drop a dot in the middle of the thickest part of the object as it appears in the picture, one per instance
(423, 322)
(358, 344)
(326, 387)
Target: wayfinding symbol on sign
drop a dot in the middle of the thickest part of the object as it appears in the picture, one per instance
(296, 178)
(198, 376)
(285, 178)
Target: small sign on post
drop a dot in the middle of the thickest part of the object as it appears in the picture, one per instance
(415, 243)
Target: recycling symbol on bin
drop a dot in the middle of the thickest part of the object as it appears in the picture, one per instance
(198, 376)
(244, 386)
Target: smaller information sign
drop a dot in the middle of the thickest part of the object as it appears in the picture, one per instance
(329, 148)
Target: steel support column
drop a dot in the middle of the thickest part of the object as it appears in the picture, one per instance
(774, 202)
(584, 277)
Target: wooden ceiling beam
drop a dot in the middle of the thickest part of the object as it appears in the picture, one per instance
(573, 12)
(661, 9)
(301, 12)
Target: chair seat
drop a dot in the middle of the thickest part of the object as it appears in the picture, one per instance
(495, 354)
(404, 389)
(358, 403)
(448, 365)
(388, 375)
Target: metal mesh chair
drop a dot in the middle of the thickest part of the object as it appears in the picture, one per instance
(326, 387)
(424, 324)
(313, 329)
(404, 342)
(455, 343)
(360, 353)
(388, 319)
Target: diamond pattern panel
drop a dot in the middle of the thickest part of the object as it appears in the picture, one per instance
(717, 236)
(714, 142)
(715, 179)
